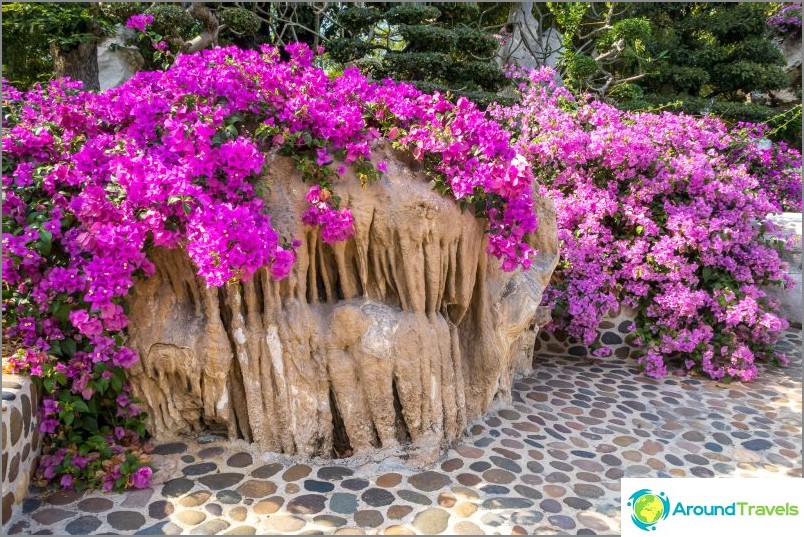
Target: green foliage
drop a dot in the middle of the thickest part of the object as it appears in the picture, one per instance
(121, 11)
(171, 20)
(31, 30)
(712, 49)
(440, 47)
(239, 20)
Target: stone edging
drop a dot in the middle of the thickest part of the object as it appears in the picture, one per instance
(21, 441)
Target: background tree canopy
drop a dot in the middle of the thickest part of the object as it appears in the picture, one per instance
(715, 58)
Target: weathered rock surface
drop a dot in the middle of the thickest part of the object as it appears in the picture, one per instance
(116, 62)
(790, 299)
(393, 339)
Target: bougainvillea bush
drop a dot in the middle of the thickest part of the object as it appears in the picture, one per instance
(664, 213)
(93, 182)
(787, 20)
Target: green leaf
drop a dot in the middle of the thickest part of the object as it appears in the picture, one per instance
(49, 384)
(117, 382)
(69, 346)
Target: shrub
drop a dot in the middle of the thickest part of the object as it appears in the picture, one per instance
(92, 182)
(665, 213)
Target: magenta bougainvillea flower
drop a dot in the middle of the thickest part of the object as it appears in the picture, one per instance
(93, 182)
(667, 214)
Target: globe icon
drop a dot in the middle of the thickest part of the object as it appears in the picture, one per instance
(648, 509)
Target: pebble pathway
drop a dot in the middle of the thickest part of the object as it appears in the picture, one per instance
(549, 463)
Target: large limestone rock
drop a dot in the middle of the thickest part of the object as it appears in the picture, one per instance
(529, 45)
(117, 62)
(390, 341)
(790, 299)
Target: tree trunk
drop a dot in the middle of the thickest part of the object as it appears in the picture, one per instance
(80, 63)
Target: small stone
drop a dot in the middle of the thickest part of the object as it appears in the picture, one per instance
(292, 488)
(266, 471)
(176, 487)
(344, 503)
(200, 469)
(240, 460)
(162, 509)
(745, 455)
(465, 509)
(125, 520)
(528, 492)
(431, 521)
(588, 491)
(210, 453)
(209, 439)
(757, 444)
(210, 527)
(414, 497)
(191, 517)
(495, 489)
(451, 465)
(480, 466)
(593, 520)
(173, 448)
(355, 484)
(161, 528)
(562, 521)
(229, 497)
(377, 497)
(465, 493)
(221, 481)
(528, 518)
(242, 530)
(330, 521)
(268, 506)
(469, 480)
(397, 512)
(29, 505)
(307, 504)
(497, 476)
(368, 519)
(51, 515)
(95, 505)
(467, 528)
(446, 500)
(82, 526)
(578, 503)
(389, 480)
(137, 499)
(398, 530)
(238, 514)
(624, 441)
(507, 503)
(285, 523)
(314, 485)
(297, 471)
(350, 531)
(15, 426)
(556, 491)
(256, 488)
(194, 499)
(470, 452)
(62, 497)
(334, 473)
(550, 505)
(13, 468)
(429, 481)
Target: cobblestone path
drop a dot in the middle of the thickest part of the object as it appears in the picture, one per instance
(549, 463)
